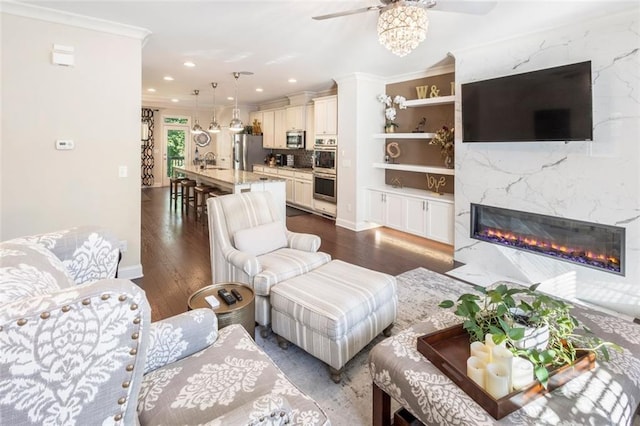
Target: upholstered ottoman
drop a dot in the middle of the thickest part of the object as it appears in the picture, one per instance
(334, 311)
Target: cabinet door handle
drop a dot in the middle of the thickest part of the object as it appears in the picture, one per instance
(426, 203)
(423, 205)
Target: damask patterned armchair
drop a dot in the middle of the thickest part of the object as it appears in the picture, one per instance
(77, 347)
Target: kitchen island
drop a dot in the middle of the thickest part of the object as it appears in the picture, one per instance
(237, 181)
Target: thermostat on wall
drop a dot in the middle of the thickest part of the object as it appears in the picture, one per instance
(64, 144)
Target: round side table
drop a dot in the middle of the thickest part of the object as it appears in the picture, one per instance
(243, 312)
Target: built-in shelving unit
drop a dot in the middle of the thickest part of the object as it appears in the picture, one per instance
(403, 135)
(439, 100)
(414, 168)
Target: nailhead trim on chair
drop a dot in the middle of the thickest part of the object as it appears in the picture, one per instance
(44, 315)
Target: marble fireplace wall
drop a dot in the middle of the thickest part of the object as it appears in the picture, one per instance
(595, 181)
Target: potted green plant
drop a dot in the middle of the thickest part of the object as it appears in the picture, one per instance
(507, 313)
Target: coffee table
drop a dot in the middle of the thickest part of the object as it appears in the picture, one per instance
(610, 394)
(239, 313)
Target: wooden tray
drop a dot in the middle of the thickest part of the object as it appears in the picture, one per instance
(448, 350)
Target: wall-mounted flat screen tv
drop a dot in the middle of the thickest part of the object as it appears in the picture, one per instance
(547, 105)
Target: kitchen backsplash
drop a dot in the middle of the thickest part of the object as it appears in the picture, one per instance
(301, 158)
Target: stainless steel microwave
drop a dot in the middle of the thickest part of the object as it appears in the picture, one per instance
(295, 139)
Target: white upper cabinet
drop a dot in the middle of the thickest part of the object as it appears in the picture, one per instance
(280, 129)
(326, 115)
(296, 117)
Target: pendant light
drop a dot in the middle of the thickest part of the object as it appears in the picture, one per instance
(236, 124)
(196, 129)
(214, 127)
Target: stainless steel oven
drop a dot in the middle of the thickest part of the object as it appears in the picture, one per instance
(324, 187)
(324, 159)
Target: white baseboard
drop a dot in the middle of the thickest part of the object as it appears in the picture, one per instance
(353, 226)
(130, 272)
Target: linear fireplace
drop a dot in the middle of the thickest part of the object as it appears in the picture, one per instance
(584, 243)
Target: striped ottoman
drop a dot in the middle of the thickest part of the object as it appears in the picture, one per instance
(334, 311)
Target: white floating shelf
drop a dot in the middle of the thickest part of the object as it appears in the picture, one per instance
(404, 135)
(415, 168)
(439, 100)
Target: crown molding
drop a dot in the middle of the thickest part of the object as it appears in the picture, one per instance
(439, 70)
(11, 7)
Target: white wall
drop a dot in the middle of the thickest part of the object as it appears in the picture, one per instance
(359, 117)
(96, 103)
(595, 181)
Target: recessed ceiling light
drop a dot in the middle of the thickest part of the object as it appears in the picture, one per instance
(293, 80)
(230, 98)
(168, 78)
(175, 100)
(151, 89)
(259, 89)
(189, 64)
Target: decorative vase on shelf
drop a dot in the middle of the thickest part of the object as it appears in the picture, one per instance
(448, 162)
(389, 129)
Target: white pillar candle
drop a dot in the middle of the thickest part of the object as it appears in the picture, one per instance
(481, 351)
(497, 380)
(503, 356)
(476, 370)
(488, 340)
(521, 373)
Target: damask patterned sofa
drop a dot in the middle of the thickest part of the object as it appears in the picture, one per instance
(77, 347)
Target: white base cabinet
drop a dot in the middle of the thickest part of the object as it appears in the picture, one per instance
(299, 184)
(413, 213)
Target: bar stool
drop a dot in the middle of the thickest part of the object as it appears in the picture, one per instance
(200, 202)
(217, 192)
(186, 186)
(174, 183)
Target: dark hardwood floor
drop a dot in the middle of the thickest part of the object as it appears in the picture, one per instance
(175, 251)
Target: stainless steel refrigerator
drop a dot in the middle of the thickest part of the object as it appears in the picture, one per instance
(247, 151)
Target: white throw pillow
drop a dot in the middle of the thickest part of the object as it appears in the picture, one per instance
(261, 239)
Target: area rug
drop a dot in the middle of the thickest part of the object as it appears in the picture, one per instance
(349, 402)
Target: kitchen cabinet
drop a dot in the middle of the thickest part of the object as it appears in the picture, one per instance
(280, 129)
(296, 117)
(413, 213)
(303, 191)
(288, 175)
(326, 115)
(268, 129)
(299, 184)
(310, 135)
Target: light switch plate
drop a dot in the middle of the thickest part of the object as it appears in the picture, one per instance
(64, 144)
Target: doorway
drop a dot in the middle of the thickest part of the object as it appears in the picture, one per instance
(175, 134)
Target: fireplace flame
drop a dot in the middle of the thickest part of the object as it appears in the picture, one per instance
(534, 244)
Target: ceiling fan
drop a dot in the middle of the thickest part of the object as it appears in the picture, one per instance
(470, 7)
(402, 24)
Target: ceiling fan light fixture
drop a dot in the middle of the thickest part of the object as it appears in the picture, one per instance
(236, 124)
(402, 26)
(214, 126)
(196, 129)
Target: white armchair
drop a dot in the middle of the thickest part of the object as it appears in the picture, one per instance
(250, 244)
(77, 347)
